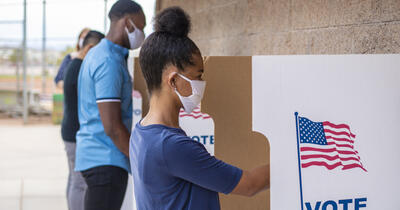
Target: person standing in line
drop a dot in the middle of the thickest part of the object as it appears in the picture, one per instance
(76, 186)
(59, 79)
(105, 109)
(170, 170)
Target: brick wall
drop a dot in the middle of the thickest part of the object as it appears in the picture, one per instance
(272, 27)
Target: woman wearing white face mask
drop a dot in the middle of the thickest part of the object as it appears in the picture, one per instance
(69, 57)
(170, 170)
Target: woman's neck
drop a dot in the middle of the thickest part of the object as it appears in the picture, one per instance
(162, 111)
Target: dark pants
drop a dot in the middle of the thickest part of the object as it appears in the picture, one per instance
(106, 187)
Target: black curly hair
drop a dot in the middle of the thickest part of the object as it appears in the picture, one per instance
(169, 44)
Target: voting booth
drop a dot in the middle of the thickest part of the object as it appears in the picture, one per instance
(327, 125)
(224, 114)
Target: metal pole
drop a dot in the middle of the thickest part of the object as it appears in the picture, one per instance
(296, 115)
(105, 16)
(24, 60)
(18, 79)
(44, 49)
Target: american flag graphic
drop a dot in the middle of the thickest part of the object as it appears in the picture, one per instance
(328, 145)
(196, 114)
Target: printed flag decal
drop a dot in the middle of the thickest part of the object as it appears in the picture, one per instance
(196, 114)
(328, 145)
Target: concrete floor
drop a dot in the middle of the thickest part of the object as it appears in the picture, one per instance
(33, 167)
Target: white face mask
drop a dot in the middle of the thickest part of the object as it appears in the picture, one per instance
(80, 43)
(136, 37)
(191, 102)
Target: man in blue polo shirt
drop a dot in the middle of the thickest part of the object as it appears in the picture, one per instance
(105, 109)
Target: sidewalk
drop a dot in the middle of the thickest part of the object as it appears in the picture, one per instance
(33, 167)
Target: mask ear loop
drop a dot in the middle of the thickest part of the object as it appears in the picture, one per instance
(175, 89)
(133, 24)
(206, 59)
(185, 78)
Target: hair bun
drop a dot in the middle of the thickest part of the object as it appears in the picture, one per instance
(173, 20)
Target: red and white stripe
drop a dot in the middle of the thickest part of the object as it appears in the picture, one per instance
(339, 152)
(196, 114)
(136, 94)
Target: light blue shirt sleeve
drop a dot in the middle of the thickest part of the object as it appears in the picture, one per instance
(108, 80)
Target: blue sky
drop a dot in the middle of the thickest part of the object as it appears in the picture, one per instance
(65, 19)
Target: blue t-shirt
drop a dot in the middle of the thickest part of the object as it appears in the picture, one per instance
(103, 77)
(172, 171)
(61, 71)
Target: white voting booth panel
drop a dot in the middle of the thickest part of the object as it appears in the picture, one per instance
(342, 149)
(199, 127)
(129, 200)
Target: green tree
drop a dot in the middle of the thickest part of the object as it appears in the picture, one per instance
(16, 56)
(65, 52)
